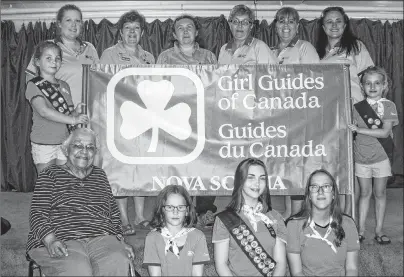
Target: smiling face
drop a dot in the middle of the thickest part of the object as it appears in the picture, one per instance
(185, 31)
(334, 24)
(71, 24)
(286, 28)
(254, 184)
(49, 62)
(240, 26)
(321, 200)
(175, 218)
(131, 33)
(81, 150)
(373, 85)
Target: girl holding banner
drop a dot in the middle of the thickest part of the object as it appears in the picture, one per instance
(375, 117)
(52, 107)
(249, 237)
(322, 241)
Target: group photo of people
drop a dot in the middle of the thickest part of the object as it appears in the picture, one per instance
(78, 226)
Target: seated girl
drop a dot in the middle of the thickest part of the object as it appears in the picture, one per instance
(249, 237)
(321, 240)
(173, 248)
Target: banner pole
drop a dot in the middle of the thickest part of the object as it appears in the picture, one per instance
(84, 89)
(350, 137)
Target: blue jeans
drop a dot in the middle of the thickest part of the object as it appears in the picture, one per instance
(98, 256)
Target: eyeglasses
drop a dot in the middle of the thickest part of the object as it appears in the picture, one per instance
(244, 22)
(80, 147)
(171, 208)
(316, 188)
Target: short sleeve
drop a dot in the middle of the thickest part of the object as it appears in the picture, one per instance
(150, 58)
(351, 234)
(32, 91)
(220, 232)
(30, 71)
(201, 252)
(67, 94)
(280, 227)
(390, 112)
(212, 58)
(293, 237)
(106, 57)
(162, 58)
(93, 53)
(222, 54)
(150, 254)
(363, 59)
(264, 54)
(308, 53)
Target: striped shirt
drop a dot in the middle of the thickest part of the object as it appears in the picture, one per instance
(72, 208)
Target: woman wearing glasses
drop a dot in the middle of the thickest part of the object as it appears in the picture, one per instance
(174, 248)
(243, 48)
(322, 241)
(75, 228)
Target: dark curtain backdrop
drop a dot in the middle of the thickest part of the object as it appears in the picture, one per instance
(383, 40)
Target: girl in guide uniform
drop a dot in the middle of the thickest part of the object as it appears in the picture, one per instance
(249, 237)
(374, 117)
(322, 241)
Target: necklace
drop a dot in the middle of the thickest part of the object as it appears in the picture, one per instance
(85, 173)
(325, 226)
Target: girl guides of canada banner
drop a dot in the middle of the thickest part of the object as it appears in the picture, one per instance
(192, 125)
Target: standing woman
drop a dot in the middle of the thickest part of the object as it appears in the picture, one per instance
(243, 48)
(187, 51)
(337, 44)
(292, 50)
(76, 52)
(128, 51)
(249, 237)
(322, 241)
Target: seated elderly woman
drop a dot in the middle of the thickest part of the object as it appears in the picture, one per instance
(75, 228)
(243, 48)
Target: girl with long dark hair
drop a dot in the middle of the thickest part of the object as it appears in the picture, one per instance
(249, 236)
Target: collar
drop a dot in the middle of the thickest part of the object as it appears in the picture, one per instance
(123, 50)
(177, 48)
(336, 46)
(230, 45)
(291, 44)
(58, 39)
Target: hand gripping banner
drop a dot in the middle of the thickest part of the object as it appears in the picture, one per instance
(192, 125)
